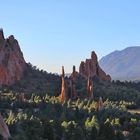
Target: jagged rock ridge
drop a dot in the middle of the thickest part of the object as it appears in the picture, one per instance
(12, 63)
(91, 68)
(87, 71)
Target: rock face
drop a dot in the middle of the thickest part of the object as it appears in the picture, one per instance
(12, 63)
(90, 68)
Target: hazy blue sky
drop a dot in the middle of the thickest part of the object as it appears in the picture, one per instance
(53, 33)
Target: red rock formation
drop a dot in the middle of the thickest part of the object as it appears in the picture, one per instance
(74, 74)
(90, 88)
(87, 70)
(91, 68)
(68, 90)
(12, 63)
(63, 87)
(72, 83)
(74, 69)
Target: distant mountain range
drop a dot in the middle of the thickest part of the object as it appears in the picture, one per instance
(123, 65)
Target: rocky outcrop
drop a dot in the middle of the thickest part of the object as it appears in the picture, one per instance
(68, 89)
(72, 87)
(90, 88)
(63, 87)
(12, 63)
(74, 74)
(72, 83)
(91, 68)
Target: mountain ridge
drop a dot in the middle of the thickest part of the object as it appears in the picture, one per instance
(123, 64)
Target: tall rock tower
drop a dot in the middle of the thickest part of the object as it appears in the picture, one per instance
(12, 63)
(63, 87)
(90, 88)
(92, 68)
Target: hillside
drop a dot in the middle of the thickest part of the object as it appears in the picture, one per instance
(122, 65)
(37, 81)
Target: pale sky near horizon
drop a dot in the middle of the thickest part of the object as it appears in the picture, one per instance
(52, 33)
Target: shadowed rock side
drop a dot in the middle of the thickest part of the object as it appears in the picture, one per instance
(12, 63)
(91, 68)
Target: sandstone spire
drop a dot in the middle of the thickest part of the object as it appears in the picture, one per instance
(82, 67)
(63, 88)
(92, 68)
(1, 34)
(63, 72)
(94, 56)
(74, 69)
(72, 82)
(74, 73)
(90, 88)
